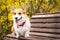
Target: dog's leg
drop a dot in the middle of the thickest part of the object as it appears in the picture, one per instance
(13, 33)
(27, 34)
(17, 34)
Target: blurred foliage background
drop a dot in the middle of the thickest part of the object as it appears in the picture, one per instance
(32, 7)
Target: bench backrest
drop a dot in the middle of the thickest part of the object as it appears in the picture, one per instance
(47, 25)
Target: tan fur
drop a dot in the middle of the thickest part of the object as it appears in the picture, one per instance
(12, 29)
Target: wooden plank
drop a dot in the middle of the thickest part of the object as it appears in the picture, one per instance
(44, 30)
(46, 13)
(33, 38)
(13, 37)
(46, 20)
(56, 25)
(46, 16)
(45, 34)
(44, 38)
(7, 38)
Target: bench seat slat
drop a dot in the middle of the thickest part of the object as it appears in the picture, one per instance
(45, 34)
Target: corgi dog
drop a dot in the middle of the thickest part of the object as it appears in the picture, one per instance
(21, 23)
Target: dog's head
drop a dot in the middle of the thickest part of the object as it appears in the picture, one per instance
(17, 13)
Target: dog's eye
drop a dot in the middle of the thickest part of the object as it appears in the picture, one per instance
(19, 13)
(14, 13)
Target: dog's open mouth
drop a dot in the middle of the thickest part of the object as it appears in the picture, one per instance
(18, 19)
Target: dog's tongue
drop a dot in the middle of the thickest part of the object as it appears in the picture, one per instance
(16, 21)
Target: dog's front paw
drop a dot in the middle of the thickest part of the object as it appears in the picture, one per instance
(13, 34)
(17, 36)
(26, 36)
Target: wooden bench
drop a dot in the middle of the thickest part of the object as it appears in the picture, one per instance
(43, 27)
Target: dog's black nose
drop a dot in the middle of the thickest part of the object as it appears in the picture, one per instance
(16, 18)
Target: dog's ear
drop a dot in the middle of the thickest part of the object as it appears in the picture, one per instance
(12, 7)
(24, 8)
